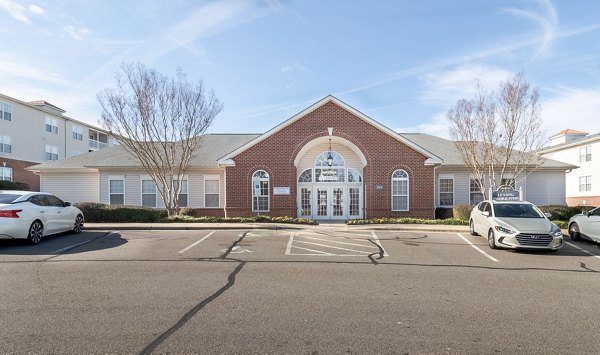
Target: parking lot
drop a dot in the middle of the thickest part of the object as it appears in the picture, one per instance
(295, 291)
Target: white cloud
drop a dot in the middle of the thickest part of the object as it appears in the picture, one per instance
(36, 9)
(436, 126)
(13, 69)
(444, 88)
(16, 10)
(546, 18)
(77, 33)
(573, 108)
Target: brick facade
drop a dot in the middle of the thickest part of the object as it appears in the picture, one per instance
(22, 175)
(384, 155)
(583, 200)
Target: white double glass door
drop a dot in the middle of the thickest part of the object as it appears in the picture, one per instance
(331, 202)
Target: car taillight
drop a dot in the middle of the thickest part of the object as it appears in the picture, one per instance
(10, 213)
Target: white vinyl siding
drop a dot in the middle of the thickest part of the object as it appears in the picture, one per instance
(72, 187)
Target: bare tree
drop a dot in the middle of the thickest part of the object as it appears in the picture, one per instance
(159, 120)
(497, 134)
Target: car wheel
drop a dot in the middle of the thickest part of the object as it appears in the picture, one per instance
(574, 232)
(491, 240)
(472, 228)
(78, 226)
(36, 230)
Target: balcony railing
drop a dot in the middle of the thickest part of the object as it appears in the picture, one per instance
(95, 145)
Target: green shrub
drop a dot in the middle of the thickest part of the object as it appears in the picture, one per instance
(462, 212)
(449, 221)
(102, 213)
(11, 185)
(561, 212)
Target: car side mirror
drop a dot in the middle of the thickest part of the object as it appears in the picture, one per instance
(67, 204)
(548, 215)
(485, 213)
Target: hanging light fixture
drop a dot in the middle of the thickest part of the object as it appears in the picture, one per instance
(329, 156)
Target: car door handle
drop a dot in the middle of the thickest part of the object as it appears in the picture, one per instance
(42, 211)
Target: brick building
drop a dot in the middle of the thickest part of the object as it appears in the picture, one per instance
(328, 162)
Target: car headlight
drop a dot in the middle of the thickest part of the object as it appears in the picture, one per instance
(504, 230)
(555, 232)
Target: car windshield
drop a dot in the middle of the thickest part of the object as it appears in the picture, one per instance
(8, 198)
(517, 210)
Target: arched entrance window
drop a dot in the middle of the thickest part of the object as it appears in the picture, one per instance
(260, 191)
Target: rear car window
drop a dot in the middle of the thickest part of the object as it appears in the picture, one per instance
(8, 198)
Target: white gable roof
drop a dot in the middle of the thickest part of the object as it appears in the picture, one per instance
(432, 158)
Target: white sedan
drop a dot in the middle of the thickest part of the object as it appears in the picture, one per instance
(514, 225)
(33, 215)
(585, 225)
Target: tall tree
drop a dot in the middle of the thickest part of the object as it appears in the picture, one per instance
(159, 120)
(498, 133)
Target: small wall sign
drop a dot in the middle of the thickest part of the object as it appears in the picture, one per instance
(281, 190)
(379, 187)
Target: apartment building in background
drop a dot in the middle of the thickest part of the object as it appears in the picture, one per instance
(583, 150)
(37, 132)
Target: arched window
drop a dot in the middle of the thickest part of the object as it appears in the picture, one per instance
(399, 191)
(336, 172)
(260, 191)
(354, 175)
(305, 176)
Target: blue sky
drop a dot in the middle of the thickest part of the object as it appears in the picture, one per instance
(403, 63)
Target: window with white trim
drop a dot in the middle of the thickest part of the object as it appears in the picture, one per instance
(211, 191)
(5, 111)
(5, 144)
(148, 192)
(260, 191)
(585, 183)
(51, 125)
(51, 152)
(475, 195)
(116, 190)
(399, 191)
(446, 191)
(183, 193)
(78, 133)
(6, 174)
(585, 154)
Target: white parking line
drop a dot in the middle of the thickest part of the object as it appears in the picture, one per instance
(345, 243)
(583, 250)
(196, 243)
(477, 248)
(379, 243)
(332, 247)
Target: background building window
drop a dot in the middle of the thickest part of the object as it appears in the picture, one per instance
(585, 154)
(211, 192)
(585, 183)
(6, 173)
(260, 191)
(399, 191)
(5, 144)
(475, 193)
(51, 152)
(508, 182)
(51, 125)
(446, 186)
(116, 191)
(5, 111)
(78, 133)
(148, 193)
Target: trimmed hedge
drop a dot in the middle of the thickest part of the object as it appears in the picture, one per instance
(11, 185)
(102, 213)
(448, 221)
(562, 212)
(462, 212)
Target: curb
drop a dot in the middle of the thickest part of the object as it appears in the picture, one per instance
(273, 226)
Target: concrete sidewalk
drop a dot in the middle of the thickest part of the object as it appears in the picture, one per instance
(276, 226)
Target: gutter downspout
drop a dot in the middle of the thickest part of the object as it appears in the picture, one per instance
(225, 191)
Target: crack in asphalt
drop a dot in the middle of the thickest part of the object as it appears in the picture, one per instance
(380, 253)
(191, 313)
